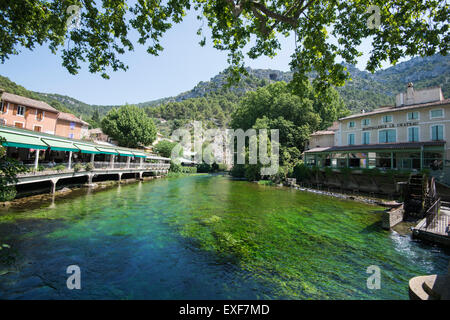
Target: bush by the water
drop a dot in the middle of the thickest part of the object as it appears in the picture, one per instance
(178, 168)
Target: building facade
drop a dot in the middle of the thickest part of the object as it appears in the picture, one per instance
(411, 135)
(69, 126)
(20, 112)
(25, 113)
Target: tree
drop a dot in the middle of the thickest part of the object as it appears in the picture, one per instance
(164, 148)
(9, 168)
(129, 126)
(326, 30)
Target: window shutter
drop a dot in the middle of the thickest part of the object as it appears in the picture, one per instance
(14, 109)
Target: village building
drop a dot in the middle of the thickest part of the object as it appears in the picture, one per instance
(412, 135)
(69, 126)
(21, 112)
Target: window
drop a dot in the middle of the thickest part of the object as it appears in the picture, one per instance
(351, 139)
(387, 136)
(351, 124)
(413, 115)
(366, 138)
(72, 125)
(39, 115)
(413, 134)
(71, 135)
(437, 132)
(37, 128)
(439, 113)
(3, 107)
(3, 122)
(20, 110)
(387, 119)
(366, 122)
(18, 124)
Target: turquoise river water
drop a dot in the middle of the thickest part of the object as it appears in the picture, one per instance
(206, 237)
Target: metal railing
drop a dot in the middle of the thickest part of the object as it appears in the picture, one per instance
(432, 213)
(48, 169)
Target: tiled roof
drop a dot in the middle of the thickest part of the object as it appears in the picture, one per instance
(394, 109)
(70, 117)
(387, 146)
(27, 102)
(322, 133)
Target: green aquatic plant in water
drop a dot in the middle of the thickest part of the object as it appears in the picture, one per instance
(212, 237)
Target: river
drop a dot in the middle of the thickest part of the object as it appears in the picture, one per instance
(206, 237)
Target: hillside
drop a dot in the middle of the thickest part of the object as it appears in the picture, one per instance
(214, 98)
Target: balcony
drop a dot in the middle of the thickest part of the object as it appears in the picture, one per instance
(98, 167)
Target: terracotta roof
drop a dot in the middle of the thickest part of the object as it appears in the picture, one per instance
(393, 109)
(27, 102)
(379, 146)
(334, 126)
(70, 117)
(96, 131)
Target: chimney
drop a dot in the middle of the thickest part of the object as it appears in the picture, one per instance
(410, 94)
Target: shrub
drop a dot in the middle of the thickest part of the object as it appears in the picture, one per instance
(7, 193)
(301, 172)
(238, 171)
(204, 167)
(189, 169)
(280, 176)
(89, 167)
(59, 168)
(175, 167)
(77, 167)
(253, 172)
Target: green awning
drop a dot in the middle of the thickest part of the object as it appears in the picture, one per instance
(87, 149)
(125, 153)
(59, 145)
(22, 141)
(107, 150)
(139, 154)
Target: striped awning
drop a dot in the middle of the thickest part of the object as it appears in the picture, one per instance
(107, 151)
(125, 153)
(139, 154)
(59, 145)
(86, 148)
(22, 141)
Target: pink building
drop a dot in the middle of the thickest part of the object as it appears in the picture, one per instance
(21, 112)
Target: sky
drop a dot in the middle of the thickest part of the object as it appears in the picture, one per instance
(181, 66)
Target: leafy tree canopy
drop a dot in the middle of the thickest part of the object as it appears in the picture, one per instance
(129, 126)
(164, 148)
(9, 168)
(326, 30)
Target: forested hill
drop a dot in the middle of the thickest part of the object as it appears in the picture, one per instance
(365, 91)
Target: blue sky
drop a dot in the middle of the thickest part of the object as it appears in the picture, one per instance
(181, 65)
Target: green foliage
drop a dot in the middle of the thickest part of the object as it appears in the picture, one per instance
(175, 167)
(9, 168)
(78, 167)
(209, 168)
(164, 148)
(89, 167)
(59, 168)
(238, 171)
(130, 126)
(408, 28)
(301, 172)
